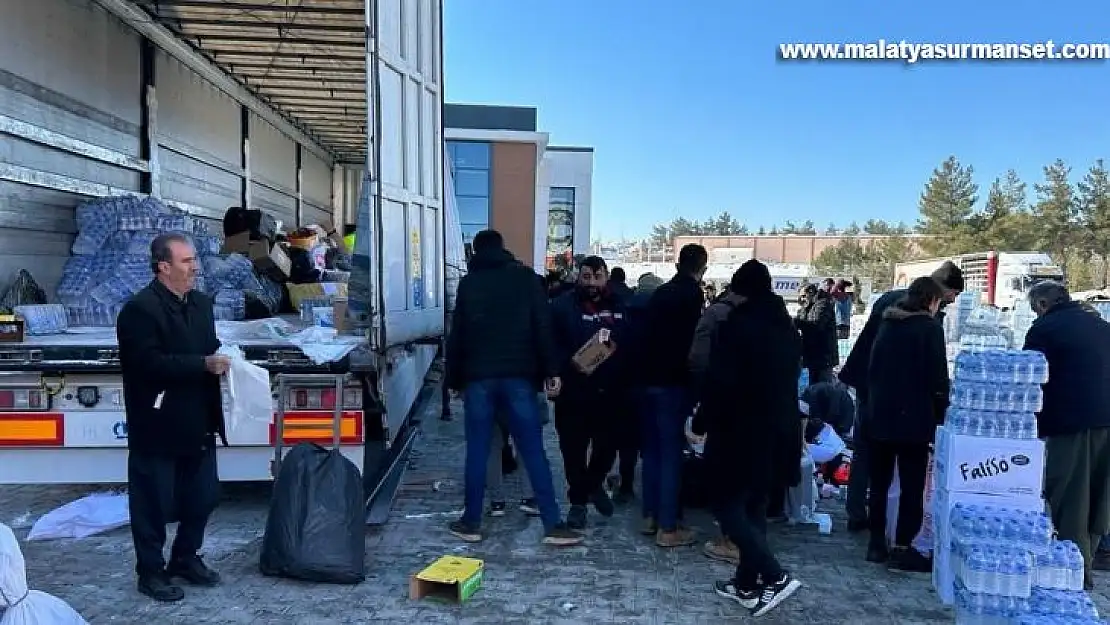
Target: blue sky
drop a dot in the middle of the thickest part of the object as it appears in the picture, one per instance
(690, 113)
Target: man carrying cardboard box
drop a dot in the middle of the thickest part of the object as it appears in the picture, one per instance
(590, 338)
(1075, 419)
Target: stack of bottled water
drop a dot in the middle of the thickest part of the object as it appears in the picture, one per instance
(996, 393)
(957, 315)
(111, 254)
(1021, 319)
(803, 381)
(1103, 309)
(1008, 567)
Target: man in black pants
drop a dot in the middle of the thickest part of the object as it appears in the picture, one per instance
(749, 416)
(854, 374)
(171, 385)
(588, 408)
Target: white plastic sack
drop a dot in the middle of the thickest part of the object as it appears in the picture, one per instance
(923, 542)
(248, 389)
(20, 605)
(92, 514)
(827, 446)
(801, 500)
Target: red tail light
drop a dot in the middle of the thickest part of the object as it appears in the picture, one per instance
(22, 399)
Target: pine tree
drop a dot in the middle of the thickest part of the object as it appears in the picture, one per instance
(1055, 212)
(830, 230)
(1094, 209)
(946, 205)
(807, 228)
(853, 230)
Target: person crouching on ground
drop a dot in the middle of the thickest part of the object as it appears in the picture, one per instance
(588, 408)
(908, 382)
(749, 417)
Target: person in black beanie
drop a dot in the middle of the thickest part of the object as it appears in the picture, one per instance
(854, 374)
(749, 418)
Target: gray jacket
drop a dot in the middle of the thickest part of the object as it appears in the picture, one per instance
(717, 312)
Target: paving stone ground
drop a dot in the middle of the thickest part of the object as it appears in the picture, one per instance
(617, 577)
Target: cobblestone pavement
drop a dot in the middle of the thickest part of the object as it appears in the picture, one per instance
(617, 577)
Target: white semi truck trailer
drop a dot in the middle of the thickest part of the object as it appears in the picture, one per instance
(295, 108)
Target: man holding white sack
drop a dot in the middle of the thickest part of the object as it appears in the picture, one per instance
(171, 386)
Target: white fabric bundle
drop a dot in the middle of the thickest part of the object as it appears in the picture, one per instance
(20, 605)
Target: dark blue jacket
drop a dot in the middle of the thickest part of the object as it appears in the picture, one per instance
(574, 325)
(1077, 347)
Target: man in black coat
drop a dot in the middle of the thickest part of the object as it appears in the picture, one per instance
(499, 355)
(749, 416)
(670, 319)
(816, 320)
(171, 386)
(1075, 419)
(854, 374)
(618, 285)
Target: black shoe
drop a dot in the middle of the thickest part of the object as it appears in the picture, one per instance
(576, 518)
(775, 593)
(160, 588)
(465, 531)
(909, 560)
(746, 598)
(1101, 561)
(856, 526)
(877, 554)
(497, 508)
(603, 503)
(194, 571)
(562, 536)
(624, 497)
(529, 506)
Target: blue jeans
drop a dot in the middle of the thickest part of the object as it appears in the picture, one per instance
(516, 399)
(664, 410)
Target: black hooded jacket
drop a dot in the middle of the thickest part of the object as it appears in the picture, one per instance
(907, 377)
(749, 410)
(502, 324)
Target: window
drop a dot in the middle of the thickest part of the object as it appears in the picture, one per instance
(560, 224)
(470, 168)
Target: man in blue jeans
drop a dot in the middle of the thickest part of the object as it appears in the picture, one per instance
(670, 320)
(499, 353)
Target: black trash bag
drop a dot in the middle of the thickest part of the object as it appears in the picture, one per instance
(696, 480)
(301, 269)
(22, 291)
(316, 528)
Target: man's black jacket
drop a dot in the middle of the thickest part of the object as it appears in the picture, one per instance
(501, 326)
(173, 403)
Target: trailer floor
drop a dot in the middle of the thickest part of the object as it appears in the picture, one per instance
(618, 576)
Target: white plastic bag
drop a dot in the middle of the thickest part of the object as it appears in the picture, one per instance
(92, 514)
(801, 500)
(924, 540)
(20, 605)
(827, 446)
(248, 389)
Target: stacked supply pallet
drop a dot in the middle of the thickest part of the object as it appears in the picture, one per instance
(995, 556)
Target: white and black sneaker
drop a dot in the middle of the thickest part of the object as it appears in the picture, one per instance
(497, 509)
(775, 593)
(746, 598)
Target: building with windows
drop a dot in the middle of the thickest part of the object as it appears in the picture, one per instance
(509, 178)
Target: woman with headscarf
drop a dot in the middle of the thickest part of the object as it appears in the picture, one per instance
(749, 416)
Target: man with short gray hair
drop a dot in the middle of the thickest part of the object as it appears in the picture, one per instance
(171, 387)
(1075, 418)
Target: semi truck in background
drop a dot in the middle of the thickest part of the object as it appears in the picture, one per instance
(1001, 278)
(311, 114)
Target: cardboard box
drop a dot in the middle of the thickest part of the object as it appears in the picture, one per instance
(944, 571)
(989, 465)
(273, 261)
(596, 351)
(450, 577)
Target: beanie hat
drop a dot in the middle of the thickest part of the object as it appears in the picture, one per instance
(752, 278)
(649, 282)
(949, 276)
